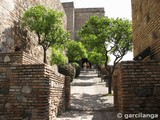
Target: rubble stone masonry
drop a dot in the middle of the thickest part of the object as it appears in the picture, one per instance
(30, 90)
(137, 87)
(15, 38)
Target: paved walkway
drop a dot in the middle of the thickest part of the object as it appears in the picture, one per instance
(89, 100)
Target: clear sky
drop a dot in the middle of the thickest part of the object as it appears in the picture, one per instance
(113, 8)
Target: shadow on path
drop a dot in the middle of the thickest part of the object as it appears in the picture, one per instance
(89, 100)
(83, 84)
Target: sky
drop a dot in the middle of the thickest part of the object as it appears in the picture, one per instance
(113, 9)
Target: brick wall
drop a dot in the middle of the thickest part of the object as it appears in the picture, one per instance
(155, 50)
(13, 37)
(137, 83)
(29, 90)
(11, 58)
(20, 57)
(145, 17)
(4, 89)
(57, 92)
(137, 87)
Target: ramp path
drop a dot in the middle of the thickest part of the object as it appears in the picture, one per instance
(89, 99)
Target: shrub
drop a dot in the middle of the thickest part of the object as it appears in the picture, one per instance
(77, 68)
(67, 70)
(58, 57)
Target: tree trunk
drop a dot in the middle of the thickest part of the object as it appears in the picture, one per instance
(45, 57)
(110, 72)
(110, 85)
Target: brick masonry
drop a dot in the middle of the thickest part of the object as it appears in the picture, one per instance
(137, 87)
(146, 25)
(30, 91)
(17, 58)
(137, 83)
(13, 37)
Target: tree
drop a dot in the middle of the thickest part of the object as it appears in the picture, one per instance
(47, 24)
(108, 36)
(75, 51)
(58, 57)
(96, 58)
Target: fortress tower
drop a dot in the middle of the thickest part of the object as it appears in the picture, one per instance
(70, 13)
(77, 17)
(83, 14)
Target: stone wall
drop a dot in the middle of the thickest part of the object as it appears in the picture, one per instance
(69, 10)
(12, 36)
(29, 90)
(137, 87)
(145, 16)
(77, 17)
(83, 14)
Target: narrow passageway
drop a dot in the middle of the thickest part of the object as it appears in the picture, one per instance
(89, 99)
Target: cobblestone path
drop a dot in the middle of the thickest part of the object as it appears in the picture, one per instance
(89, 100)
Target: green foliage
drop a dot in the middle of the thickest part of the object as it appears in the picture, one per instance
(78, 69)
(119, 41)
(96, 58)
(76, 51)
(107, 36)
(67, 70)
(58, 57)
(47, 24)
